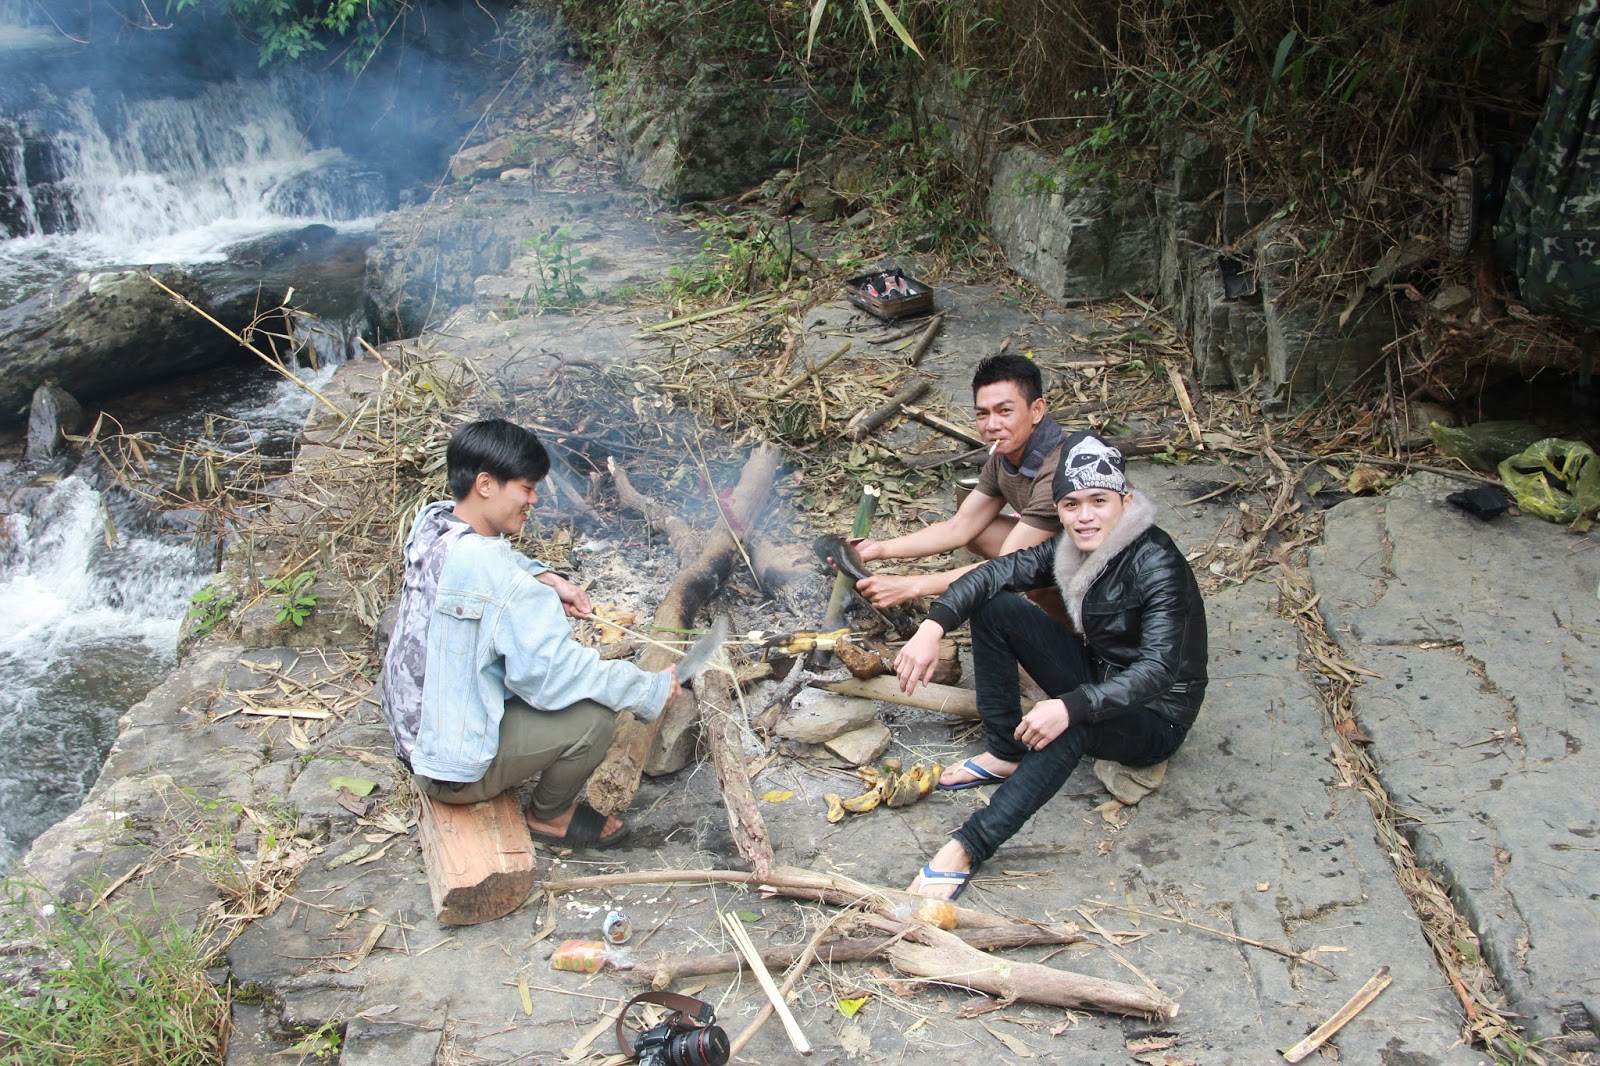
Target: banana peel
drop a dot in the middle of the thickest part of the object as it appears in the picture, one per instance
(889, 786)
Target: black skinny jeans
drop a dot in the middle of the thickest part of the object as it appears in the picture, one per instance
(1009, 630)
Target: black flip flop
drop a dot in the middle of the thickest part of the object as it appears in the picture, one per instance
(583, 831)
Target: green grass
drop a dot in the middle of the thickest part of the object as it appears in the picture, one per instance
(104, 989)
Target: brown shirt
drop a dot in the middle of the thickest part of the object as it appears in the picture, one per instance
(1031, 497)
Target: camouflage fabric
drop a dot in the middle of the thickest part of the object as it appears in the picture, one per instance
(400, 686)
(1549, 231)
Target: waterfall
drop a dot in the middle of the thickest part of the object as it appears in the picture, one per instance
(87, 183)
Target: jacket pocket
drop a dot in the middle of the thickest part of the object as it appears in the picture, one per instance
(457, 618)
(1112, 627)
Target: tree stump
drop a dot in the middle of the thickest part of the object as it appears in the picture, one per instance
(479, 857)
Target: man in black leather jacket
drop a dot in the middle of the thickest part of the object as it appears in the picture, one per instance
(1126, 679)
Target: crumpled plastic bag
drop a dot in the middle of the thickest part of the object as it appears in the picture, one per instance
(1556, 479)
(1484, 445)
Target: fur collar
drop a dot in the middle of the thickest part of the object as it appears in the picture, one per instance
(1077, 571)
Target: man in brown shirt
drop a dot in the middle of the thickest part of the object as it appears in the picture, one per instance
(1008, 393)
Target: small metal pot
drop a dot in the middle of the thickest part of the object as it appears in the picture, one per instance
(963, 488)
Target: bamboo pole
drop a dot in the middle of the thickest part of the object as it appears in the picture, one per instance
(841, 582)
(961, 702)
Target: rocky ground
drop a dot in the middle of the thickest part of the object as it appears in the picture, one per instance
(1465, 643)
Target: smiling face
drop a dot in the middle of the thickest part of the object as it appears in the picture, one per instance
(1005, 419)
(1089, 515)
(497, 508)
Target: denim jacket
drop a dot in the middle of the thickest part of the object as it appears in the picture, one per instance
(494, 632)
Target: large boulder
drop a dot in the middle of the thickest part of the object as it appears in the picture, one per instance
(715, 136)
(99, 334)
(1076, 245)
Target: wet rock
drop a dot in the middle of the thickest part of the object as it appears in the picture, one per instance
(52, 413)
(105, 333)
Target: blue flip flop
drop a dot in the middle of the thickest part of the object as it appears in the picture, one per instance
(946, 877)
(980, 776)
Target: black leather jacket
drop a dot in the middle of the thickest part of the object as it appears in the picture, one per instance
(1142, 618)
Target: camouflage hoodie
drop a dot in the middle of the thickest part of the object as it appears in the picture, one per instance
(476, 628)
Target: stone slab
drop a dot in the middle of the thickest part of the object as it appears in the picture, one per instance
(1484, 719)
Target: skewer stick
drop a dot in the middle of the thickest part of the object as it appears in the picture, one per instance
(741, 940)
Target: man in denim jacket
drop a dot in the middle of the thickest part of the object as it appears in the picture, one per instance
(483, 685)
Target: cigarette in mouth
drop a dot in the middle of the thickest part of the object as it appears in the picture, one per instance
(993, 446)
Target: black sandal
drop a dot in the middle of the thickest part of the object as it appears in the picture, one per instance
(584, 831)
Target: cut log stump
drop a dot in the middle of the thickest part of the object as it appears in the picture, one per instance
(479, 857)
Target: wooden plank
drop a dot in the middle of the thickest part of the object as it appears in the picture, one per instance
(479, 857)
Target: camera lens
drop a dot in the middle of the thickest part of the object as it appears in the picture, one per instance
(699, 1047)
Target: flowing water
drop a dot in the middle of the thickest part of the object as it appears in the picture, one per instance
(93, 587)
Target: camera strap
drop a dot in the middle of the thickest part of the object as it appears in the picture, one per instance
(696, 1010)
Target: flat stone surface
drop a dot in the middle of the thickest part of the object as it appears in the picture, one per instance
(1484, 719)
(1480, 713)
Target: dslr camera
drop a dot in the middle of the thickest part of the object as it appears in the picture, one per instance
(689, 1036)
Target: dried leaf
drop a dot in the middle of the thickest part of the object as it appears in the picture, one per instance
(778, 795)
(358, 852)
(352, 803)
(1016, 1046)
(375, 856)
(747, 917)
(1141, 1045)
(526, 993)
(1353, 732)
(1364, 478)
(849, 1007)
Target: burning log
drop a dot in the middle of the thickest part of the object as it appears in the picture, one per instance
(658, 745)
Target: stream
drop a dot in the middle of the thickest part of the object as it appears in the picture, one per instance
(93, 585)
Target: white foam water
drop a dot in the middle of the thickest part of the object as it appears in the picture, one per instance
(90, 608)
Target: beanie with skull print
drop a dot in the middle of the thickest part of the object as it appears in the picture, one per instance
(1087, 462)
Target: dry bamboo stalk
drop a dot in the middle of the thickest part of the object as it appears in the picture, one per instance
(795, 383)
(889, 408)
(1353, 1006)
(925, 341)
(1181, 390)
(790, 979)
(960, 702)
(715, 312)
(741, 940)
(943, 425)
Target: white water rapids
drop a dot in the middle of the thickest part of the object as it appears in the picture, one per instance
(92, 588)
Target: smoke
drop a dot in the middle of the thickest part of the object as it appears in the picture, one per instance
(402, 113)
